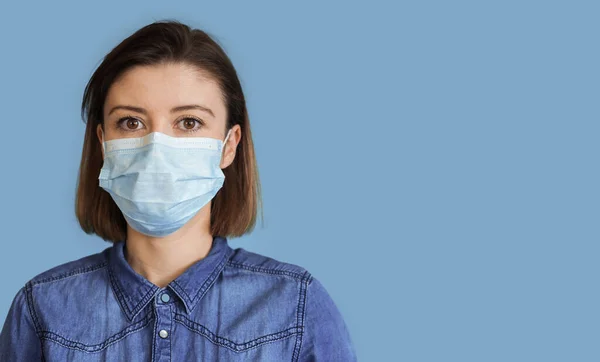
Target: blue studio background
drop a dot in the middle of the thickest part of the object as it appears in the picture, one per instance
(433, 163)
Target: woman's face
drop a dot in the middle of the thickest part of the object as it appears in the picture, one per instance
(176, 99)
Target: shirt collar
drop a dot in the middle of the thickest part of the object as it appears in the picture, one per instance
(133, 291)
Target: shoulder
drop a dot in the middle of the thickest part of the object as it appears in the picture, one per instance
(245, 262)
(260, 274)
(299, 296)
(49, 293)
(56, 288)
(74, 268)
(268, 267)
(278, 287)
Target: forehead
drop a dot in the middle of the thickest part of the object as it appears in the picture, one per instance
(161, 87)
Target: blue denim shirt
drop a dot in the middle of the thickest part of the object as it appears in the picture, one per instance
(233, 305)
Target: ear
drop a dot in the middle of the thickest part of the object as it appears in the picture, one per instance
(230, 147)
(100, 137)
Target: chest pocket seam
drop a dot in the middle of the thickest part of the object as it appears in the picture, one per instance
(90, 348)
(235, 346)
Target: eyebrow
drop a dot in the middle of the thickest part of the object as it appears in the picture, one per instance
(173, 110)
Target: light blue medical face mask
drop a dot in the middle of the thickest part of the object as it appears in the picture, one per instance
(160, 182)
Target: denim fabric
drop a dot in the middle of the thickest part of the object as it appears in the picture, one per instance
(233, 305)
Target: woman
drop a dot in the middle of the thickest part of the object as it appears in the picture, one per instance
(167, 173)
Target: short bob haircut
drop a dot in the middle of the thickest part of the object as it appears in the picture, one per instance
(234, 208)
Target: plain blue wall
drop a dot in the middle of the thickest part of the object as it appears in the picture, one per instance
(435, 165)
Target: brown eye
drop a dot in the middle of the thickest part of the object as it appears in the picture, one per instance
(133, 123)
(129, 124)
(189, 123)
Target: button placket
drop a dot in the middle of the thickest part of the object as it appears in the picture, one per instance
(162, 327)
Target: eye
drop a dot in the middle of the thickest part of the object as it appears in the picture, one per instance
(130, 124)
(190, 124)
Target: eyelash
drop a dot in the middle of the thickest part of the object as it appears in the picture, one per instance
(122, 120)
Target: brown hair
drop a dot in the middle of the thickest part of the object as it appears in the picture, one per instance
(234, 208)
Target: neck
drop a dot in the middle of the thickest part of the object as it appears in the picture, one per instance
(161, 260)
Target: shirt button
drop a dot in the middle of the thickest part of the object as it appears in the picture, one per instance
(163, 333)
(165, 297)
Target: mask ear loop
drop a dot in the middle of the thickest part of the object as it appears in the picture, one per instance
(102, 142)
(225, 143)
(226, 138)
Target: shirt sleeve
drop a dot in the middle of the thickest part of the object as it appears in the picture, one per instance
(326, 336)
(18, 339)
